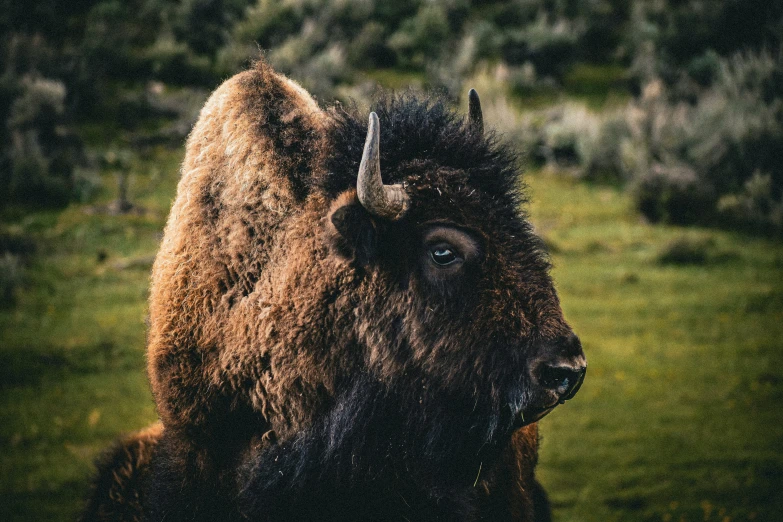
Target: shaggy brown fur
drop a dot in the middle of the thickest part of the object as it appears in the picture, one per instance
(124, 470)
(294, 335)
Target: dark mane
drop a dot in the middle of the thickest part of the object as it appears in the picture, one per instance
(416, 129)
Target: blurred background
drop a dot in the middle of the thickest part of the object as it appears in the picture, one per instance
(651, 133)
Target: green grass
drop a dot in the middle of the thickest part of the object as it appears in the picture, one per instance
(679, 418)
(395, 79)
(72, 350)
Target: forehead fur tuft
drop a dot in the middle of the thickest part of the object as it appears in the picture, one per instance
(424, 131)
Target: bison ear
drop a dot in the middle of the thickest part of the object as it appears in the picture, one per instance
(354, 234)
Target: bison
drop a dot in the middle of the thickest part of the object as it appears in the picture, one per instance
(348, 321)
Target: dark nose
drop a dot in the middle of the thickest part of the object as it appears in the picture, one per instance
(564, 380)
(562, 368)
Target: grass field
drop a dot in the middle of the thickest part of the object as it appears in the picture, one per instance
(680, 417)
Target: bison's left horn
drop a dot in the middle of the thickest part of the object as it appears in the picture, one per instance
(475, 118)
(385, 201)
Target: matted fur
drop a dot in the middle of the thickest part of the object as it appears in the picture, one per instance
(302, 364)
(124, 472)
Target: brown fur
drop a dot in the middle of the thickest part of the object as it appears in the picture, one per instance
(510, 491)
(261, 310)
(124, 468)
(234, 202)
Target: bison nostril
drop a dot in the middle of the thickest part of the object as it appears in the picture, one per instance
(562, 379)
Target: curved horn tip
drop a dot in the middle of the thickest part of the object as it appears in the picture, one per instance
(474, 111)
(373, 137)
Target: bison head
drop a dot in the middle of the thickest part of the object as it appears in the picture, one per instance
(456, 316)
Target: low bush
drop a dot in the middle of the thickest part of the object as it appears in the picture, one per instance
(40, 155)
(686, 251)
(550, 47)
(421, 37)
(756, 207)
(716, 160)
(673, 193)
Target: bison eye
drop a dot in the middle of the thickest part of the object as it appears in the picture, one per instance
(443, 255)
(448, 252)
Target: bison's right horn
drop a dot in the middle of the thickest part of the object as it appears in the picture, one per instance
(385, 201)
(475, 118)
